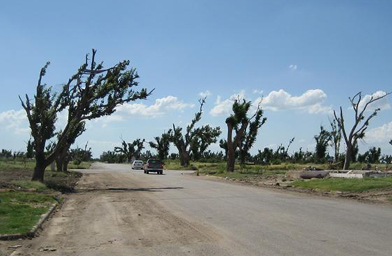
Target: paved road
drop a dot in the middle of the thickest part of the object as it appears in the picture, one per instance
(121, 212)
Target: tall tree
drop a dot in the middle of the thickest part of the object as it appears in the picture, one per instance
(130, 150)
(162, 145)
(90, 93)
(322, 140)
(238, 122)
(249, 137)
(336, 137)
(361, 123)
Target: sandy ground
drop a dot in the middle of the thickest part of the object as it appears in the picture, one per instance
(116, 211)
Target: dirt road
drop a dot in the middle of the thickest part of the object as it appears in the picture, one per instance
(117, 211)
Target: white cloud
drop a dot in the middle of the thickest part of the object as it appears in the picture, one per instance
(383, 103)
(205, 94)
(159, 108)
(255, 91)
(224, 107)
(311, 101)
(379, 134)
(293, 67)
(14, 120)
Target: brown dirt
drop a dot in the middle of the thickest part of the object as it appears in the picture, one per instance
(110, 215)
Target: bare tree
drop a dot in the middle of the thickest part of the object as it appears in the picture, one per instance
(361, 123)
(90, 93)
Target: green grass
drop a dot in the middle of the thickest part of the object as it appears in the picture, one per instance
(33, 185)
(20, 211)
(24, 201)
(346, 185)
(29, 164)
(389, 199)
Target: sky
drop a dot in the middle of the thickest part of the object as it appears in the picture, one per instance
(298, 59)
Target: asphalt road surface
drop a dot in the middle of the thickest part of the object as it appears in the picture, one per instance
(118, 211)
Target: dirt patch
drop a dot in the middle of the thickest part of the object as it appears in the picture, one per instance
(100, 220)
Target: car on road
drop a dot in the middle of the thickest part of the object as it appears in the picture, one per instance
(153, 165)
(137, 164)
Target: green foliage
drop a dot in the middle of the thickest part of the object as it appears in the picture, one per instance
(130, 150)
(336, 137)
(371, 156)
(162, 145)
(90, 93)
(195, 140)
(346, 185)
(245, 128)
(322, 140)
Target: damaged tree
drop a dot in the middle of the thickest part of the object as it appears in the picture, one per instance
(239, 122)
(90, 93)
(131, 150)
(182, 142)
(361, 124)
(162, 145)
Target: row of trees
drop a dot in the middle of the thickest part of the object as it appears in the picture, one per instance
(94, 91)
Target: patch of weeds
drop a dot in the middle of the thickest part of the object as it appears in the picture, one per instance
(20, 211)
(28, 184)
(346, 185)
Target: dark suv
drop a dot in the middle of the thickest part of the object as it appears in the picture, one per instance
(153, 165)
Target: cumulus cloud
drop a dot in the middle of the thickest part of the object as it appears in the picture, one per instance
(14, 120)
(383, 103)
(205, 94)
(311, 101)
(224, 107)
(159, 108)
(255, 91)
(380, 134)
(293, 67)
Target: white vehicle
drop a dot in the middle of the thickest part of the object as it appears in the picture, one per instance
(137, 164)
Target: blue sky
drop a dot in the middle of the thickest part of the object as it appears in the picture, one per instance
(305, 58)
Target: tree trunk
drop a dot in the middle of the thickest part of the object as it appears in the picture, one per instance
(59, 164)
(230, 158)
(347, 159)
(65, 165)
(39, 170)
(184, 158)
(230, 149)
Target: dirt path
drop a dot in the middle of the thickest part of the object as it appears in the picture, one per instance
(112, 215)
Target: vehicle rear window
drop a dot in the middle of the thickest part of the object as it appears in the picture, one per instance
(154, 161)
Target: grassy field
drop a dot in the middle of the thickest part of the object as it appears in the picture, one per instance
(23, 201)
(346, 185)
(220, 167)
(20, 211)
